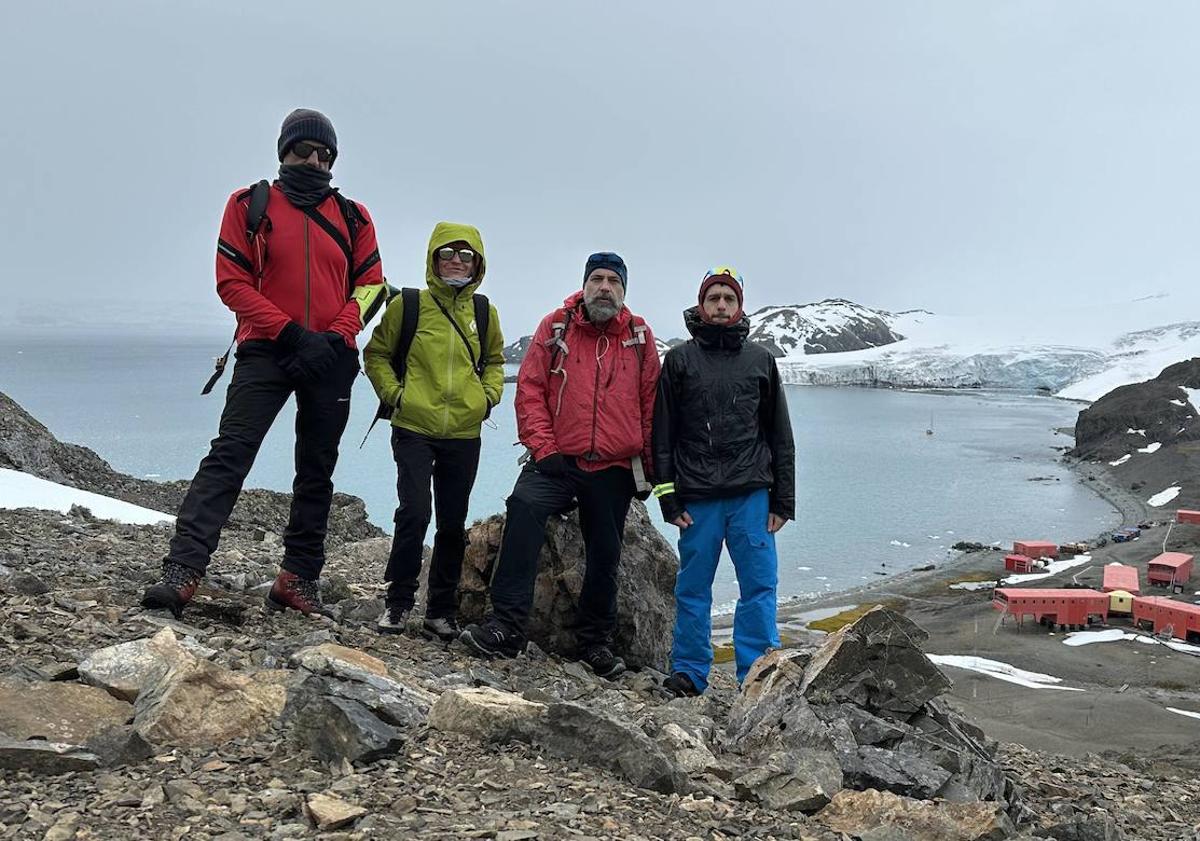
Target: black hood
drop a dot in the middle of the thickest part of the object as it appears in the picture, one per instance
(716, 336)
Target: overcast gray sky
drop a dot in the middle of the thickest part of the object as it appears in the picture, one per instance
(944, 155)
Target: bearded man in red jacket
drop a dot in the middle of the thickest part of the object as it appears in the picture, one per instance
(585, 400)
(303, 278)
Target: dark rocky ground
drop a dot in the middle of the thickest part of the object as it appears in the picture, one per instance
(248, 724)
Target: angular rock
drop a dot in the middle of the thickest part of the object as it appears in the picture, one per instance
(896, 772)
(803, 782)
(200, 703)
(126, 669)
(860, 812)
(337, 729)
(576, 732)
(119, 746)
(775, 718)
(333, 659)
(58, 712)
(688, 751)
(1083, 828)
(328, 812)
(645, 586)
(39, 757)
(877, 664)
(486, 714)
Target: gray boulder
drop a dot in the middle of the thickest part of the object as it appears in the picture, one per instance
(336, 729)
(645, 585)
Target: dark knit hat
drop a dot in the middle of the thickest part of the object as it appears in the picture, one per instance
(306, 124)
(607, 260)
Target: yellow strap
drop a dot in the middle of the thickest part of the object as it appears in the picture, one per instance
(664, 489)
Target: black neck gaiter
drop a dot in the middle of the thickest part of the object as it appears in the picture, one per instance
(304, 185)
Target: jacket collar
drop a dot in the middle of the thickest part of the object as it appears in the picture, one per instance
(716, 336)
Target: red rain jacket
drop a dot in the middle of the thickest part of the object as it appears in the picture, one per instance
(304, 275)
(598, 403)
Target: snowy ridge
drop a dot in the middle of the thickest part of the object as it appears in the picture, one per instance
(1081, 355)
(830, 326)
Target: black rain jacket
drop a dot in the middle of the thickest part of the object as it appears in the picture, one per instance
(721, 424)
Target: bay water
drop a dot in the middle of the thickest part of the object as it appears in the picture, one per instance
(875, 493)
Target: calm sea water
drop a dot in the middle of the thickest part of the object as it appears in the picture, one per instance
(875, 493)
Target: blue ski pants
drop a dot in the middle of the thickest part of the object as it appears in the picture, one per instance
(739, 522)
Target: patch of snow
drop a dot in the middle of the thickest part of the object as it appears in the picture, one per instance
(973, 585)
(1052, 568)
(1163, 497)
(1178, 402)
(1188, 713)
(1132, 431)
(1121, 460)
(1088, 637)
(1193, 395)
(1150, 448)
(21, 490)
(1001, 671)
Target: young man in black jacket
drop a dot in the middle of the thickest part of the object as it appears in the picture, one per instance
(724, 455)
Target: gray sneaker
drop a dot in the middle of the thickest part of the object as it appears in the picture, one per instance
(445, 628)
(393, 620)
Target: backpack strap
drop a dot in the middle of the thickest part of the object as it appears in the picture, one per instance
(411, 302)
(558, 338)
(483, 319)
(637, 339)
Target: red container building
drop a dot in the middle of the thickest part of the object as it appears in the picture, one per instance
(1121, 577)
(1158, 613)
(1019, 563)
(1185, 516)
(1068, 607)
(1035, 549)
(1169, 569)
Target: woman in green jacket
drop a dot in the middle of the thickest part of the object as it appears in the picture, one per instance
(450, 386)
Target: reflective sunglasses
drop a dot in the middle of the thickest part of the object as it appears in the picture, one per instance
(466, 255)
(303, 149)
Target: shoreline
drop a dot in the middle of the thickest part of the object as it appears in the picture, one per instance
(918, 583)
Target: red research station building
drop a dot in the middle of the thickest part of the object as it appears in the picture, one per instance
(1068, 607)
(1170, 569)
(1036, 548)
(1158, 613)
(1121, 577)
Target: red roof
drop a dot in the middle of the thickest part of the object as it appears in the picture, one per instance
(1174, 560)
(1011, 593)
(1168, 604)
(1121, 577)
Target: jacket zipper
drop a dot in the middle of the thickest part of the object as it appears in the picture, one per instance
(307, 279)
(449, 369)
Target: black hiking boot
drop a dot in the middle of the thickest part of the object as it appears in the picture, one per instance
(292, 591)
(174, 588)
(492, 639)
(602, 661)
(681, 686)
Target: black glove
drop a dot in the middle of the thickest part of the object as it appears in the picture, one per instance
(672, 508)
(310, 355)
(554, 464)
(336, 341)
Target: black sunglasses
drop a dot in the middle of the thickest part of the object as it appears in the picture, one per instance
(464, 254)
(303, 149)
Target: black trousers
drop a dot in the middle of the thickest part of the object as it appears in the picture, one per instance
(257, 392)
(451, 464)
(603, 498)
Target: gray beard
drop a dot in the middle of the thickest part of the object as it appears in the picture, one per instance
(600, 310)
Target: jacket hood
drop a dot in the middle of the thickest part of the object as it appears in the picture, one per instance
(443, 234)
(574, 301)
(716, 336)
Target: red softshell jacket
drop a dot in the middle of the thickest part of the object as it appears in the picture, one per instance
(304, 272)
(600, 406)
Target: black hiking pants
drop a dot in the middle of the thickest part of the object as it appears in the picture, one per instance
(603, 497)
(451, 464)
(257, 391)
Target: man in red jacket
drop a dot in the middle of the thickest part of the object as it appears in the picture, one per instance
(585, 397)
(302, 284)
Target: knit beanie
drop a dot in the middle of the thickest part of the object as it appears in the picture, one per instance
(728, 276)
(607, 260)
(306, 124)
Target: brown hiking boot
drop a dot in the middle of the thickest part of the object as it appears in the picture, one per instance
(174, 588)
(290, 590)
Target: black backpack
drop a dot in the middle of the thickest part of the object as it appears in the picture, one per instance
(256, 219)
(411, 298)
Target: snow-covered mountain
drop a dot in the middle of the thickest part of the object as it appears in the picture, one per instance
(1080, 354)
(830, 326)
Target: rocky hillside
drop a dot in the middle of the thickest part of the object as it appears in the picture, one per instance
(830, 326)
(235, 722)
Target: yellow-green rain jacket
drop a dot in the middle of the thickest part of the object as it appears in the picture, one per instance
(441, 396)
